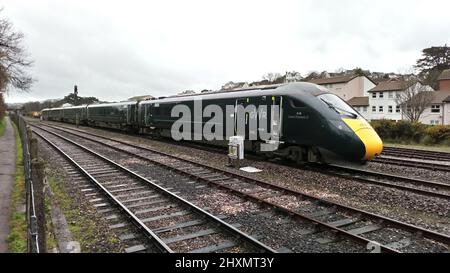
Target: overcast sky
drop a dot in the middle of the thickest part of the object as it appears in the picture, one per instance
(114, 50)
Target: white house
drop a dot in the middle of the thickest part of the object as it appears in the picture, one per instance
(293, 77)
(347, 87)
(235, 85)
(361, 104)
(382, 99)
(439, 111)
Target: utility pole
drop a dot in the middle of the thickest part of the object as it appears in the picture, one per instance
(75, 92)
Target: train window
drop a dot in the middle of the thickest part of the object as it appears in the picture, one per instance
(338, 105)
(297, 104)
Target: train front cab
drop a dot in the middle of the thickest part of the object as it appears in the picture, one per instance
(362, 142)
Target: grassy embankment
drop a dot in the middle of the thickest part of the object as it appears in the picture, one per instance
(2, 126)
(436, 148)
(17, 238)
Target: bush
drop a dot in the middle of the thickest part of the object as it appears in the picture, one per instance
(438, 133)
(411, 132)
(384, 128)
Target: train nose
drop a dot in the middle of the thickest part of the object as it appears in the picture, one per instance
(372, 143)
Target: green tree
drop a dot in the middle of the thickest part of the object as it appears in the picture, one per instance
(77, 100)
(435, 60)
(2, 107)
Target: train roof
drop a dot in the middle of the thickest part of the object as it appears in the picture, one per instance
(64, 108)
(301, 88)
(111, 104)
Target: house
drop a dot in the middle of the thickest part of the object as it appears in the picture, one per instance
(347, 87)
(361, 104)
(293, 77)
(140, 98)
(233, 85)
(439, 111)
(382, 98)
(444, 80)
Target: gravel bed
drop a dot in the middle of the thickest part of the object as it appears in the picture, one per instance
(416, 209)
(417, 245)
(103, 240)
(199, 242)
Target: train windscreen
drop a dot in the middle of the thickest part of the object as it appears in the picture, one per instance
(338, 105)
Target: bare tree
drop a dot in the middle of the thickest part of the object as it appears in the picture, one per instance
(414, 99)
(271, 77)
(186, 92)
(13, 59)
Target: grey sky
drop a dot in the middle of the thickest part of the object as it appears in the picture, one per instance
(117, 49)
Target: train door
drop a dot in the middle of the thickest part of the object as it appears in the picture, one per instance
(246, 118)
(148, 114)
(298, 119)
(130, 114)
(275, 116)
(258, 110)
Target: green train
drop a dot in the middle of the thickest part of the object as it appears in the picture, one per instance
(312, 124)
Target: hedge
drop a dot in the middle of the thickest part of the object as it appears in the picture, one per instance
(412, 132)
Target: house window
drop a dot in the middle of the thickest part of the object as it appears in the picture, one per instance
(381, 109)
(381, 95)
(374, 95)
(365, 109)
(390, 110)
(434, 122)
(397, 109)
(391, 95)
(435, 108)
(374, 109)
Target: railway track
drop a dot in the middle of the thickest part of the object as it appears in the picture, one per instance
(413, 163)
(357, 225)
(170, 223)
(415, 153)
(419, 186)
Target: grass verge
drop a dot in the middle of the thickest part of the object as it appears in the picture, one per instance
(2, 126)
(83, 228)
(17, 238)
(436, 148)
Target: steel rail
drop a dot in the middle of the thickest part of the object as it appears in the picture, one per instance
(139, 224)
(387, 220)
(231, 229)
(416, 152)
(410, 163)
(248, 196)
(333, 169)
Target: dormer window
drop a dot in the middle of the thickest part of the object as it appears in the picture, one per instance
(435, 108)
